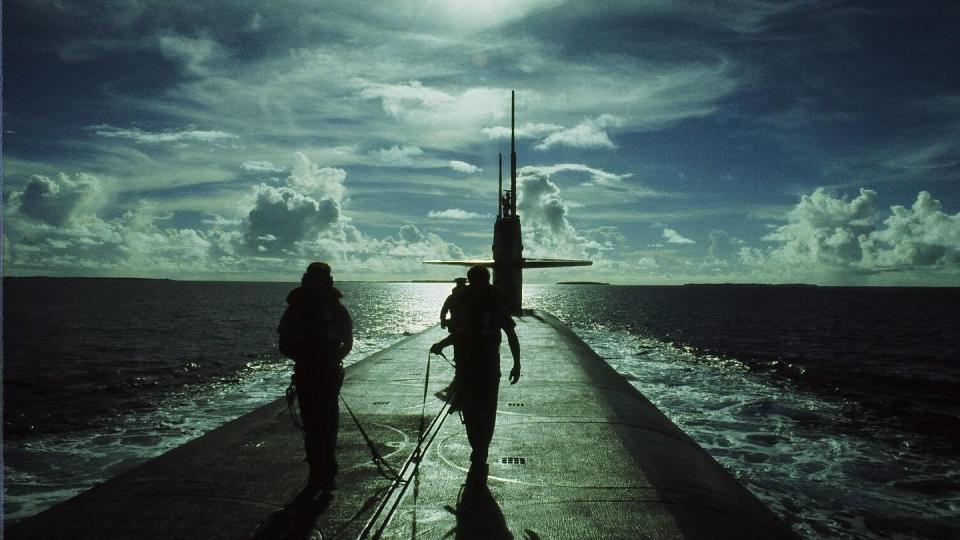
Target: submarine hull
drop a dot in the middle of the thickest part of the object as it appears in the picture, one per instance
(577, 453)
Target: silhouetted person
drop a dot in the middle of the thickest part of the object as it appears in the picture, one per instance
(317, 333)
(448, 305)
(482, 314)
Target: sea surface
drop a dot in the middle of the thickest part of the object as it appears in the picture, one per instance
(837, 407)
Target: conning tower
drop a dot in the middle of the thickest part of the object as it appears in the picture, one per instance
(508, 261)
(507, 240)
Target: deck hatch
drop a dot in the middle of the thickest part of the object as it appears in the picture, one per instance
(513, 460)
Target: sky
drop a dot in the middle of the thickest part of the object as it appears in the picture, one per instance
(668, 142)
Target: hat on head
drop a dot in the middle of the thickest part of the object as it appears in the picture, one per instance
(317, 273)
(478, 274)
(321, 268)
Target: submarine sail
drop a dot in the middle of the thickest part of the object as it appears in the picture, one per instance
(508, 261)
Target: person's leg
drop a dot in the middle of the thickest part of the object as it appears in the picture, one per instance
(320, 412)
(329, 427)
(486, 414)
(308, 398)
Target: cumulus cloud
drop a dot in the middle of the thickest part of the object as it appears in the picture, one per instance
(416, 246)
(453, 213)
(922, 235)
(823, 229)
(540, 203)
(722, 246)
(463, 166)
(281, 217)
(673, 237)
(587, 134)
(59, 200)
(410, 234)
(136, 243)
(829, 232)
(159, 137)
(547, 231)
(320, 182)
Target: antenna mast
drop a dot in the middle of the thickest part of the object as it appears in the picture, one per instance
(513, 159)
(500, 190)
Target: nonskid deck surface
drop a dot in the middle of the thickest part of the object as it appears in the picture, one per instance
(577, 453)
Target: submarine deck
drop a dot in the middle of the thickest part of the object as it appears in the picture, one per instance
(577, 453)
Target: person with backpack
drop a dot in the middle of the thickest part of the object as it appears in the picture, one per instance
(449, 303)
(449, 306)
(481, 315)
(317, 333)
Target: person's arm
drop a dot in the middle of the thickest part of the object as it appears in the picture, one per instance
(514, 343)
(443, 312)
(437, 348)
(346, 344)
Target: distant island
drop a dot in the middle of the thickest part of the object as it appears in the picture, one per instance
(750, 285)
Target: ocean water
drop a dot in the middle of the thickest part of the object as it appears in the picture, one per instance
(836, 406)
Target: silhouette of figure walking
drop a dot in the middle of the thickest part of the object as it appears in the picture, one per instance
(317, 333)
(481, 315)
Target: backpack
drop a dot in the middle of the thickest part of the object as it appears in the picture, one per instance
(308, 327)
(290, 338)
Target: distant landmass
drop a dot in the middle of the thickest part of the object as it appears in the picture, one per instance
(581, 283)
(750, 285)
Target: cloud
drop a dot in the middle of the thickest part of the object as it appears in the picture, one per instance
(261, 167)
(823, 229)
(597, 176)
(410, 234)
(524, 131)
(160, 137)
(59, 200)
(464, 167)
(193, 54)
(922, 235)
(722, 246)
(414, 246)
(397, 155)
(453, 213)
(139, 242)
(281, 217)
(587, 134)
(826, 232)
(673, 237)
(320, 182)
(547, 231)
(431, 114)
(402, 100)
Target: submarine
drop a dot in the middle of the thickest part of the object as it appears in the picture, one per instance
(577, 453)
(508, 261)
